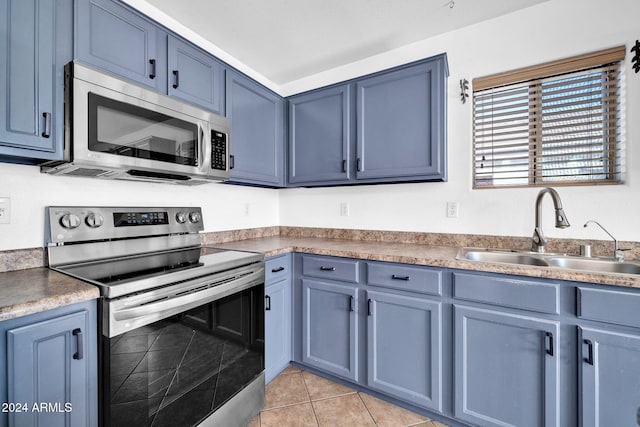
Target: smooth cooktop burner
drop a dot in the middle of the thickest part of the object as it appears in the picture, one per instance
(140, 272)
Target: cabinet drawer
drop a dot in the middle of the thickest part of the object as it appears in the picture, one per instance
(404, 277)
(345, 270)
(605, 305)
(277, 268)
(507, 292)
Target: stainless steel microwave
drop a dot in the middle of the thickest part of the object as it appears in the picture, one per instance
(118, 130)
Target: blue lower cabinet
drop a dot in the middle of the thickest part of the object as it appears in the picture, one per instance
(610, 378)
(404, 347)
(506, 369)
(277, 319)
(329, 327)
(51, 370)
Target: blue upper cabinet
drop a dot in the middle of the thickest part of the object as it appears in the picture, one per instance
(386, 127)
(35, 42)
(257, 132)
(320, 136)
(195, 76)
(112, 37)
(401, 124)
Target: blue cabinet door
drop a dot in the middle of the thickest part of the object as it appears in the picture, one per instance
(116, 39)
(277, 318)
(329, 327)
(506, 369)
(320, 136)
(257, 132)
(401, 123)
(35, 42)
(610, 378)
(51, 364)
(404, 347)
(195, 76)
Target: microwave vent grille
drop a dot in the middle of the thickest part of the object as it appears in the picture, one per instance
(87, 172)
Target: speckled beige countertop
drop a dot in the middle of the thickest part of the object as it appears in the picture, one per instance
(412, 253)
(38, 289)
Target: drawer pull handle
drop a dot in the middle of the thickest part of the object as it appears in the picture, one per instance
(369, 307)
(152, 74)
(589, 358)
(405, 278)
(277, 270)
(326, 268)
(79, 355)
(267, 302)
(351, 308)
(550, 348)
(47, 125)
(176, 80)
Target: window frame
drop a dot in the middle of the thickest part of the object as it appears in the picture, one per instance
(609, 62)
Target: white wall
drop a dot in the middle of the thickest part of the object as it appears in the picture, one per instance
(223, 206)
(549, 31)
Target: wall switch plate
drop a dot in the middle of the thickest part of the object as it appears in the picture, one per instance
(344, 209)
(452, 210)
(5, 210)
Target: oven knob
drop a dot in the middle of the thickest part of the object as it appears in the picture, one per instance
(70, 221)
(194, 217)
(94, 220)
(181, 217)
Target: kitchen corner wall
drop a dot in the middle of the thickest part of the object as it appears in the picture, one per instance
(224, 206)
(551, 30)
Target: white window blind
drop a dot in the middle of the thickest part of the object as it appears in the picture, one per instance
(558, 123)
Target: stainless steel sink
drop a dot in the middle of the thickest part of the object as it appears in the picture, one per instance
(551, 260)
(505, 257)
(596, 264)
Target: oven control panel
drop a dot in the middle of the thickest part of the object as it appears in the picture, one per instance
(77, 224)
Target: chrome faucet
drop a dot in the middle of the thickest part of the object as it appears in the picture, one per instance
(539, 242)
(618, 253)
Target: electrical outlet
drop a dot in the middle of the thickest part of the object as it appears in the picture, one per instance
(344, 209)
(5, 210)
(452, 210)
(246, 209)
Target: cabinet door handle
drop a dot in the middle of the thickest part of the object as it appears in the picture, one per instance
(47, 125)
(267, 302)
(176, 80)
(79, 355)
(344, 166)
(369, 307)
(152, 74)
(232, 161)
(277, 270)
(327, 268)
(351, 307)
(550, 348)
(359, 165)
(589, 358)
(405, 278)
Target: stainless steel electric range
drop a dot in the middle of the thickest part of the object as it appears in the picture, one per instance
(181, 325)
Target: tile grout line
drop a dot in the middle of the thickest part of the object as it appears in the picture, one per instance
(304, 381)
(367, 408)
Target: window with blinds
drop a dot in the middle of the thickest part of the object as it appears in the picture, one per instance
(558, 123)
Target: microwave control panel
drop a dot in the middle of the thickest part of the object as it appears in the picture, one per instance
(218, 150)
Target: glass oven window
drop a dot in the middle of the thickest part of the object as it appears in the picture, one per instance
(177, 371)
(128, 130)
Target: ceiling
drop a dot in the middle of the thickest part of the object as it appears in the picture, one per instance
(287, 40)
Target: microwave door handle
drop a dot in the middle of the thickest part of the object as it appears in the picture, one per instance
(202, 146)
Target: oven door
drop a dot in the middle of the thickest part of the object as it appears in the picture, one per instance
(183, 366)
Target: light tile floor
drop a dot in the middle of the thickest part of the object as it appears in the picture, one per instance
(299, 398)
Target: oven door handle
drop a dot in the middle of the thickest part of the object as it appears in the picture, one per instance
(123, 319)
